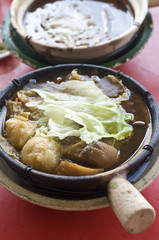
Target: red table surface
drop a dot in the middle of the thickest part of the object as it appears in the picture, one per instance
(22, 220)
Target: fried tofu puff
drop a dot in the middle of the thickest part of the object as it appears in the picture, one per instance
(18, 131)
(42, 154)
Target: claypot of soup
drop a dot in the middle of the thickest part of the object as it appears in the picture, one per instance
(78, 131)
(78, 31)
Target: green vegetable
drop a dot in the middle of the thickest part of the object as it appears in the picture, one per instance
(80, 108)
(3, 49)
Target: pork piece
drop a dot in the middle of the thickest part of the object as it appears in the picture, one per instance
(97, 154)
(24, 96)
(67, 168)
(100, 154)
(74, 75)
(42, 153)
(18, 131)
(16, 106)
(72, 152)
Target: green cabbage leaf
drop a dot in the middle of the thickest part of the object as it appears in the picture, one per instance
(81, 109)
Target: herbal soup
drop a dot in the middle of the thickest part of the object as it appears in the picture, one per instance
(75, 125)
(76, 24)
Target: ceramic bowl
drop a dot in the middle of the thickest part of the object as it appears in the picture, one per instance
(53, 53)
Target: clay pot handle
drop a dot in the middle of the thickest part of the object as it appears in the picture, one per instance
(153, 3)
(131, 208)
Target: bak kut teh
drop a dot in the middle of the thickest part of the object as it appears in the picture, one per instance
(76, 124)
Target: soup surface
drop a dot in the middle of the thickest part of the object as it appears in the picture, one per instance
(76, 24)
(75, 125)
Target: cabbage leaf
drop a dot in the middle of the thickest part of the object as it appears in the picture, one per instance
(80, 108)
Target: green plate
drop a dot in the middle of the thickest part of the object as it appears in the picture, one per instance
(20, 49)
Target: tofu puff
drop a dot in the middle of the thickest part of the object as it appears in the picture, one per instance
(18, 131)
(42, 153)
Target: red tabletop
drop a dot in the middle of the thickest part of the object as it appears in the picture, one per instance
(20, 219)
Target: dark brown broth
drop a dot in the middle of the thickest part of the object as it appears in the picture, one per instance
(137, 107)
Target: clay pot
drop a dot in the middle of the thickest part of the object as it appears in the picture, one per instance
(133, 211)
(93, 54)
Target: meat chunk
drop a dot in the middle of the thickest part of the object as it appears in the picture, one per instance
(18, 131)
(41, 153)
(100, 154)
(72, 152)
(97, 154)
(72, 169)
